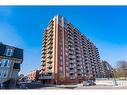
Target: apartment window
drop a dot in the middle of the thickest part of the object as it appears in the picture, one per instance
(67, 63)
(73, 61)
(60, 76)
(67, 75)
(72, 77)
(66, 54)
(61, 53)
(66, 49)
(3, 74)
(61, 48)
(66, 58)
(9, 52)
(73, 56)
(5, 63)
(0, 74)
(60, 69)
(60, 57)
(67, 69)
(60, 62)
(0, 63)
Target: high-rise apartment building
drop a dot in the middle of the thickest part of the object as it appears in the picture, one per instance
(10, 60)
(67, 55)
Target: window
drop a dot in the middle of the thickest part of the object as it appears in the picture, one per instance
(67, 75)
(67, 63)
(61, 53)
(60, 62)
(5, 73)
(60, 57)
(6, 63)
(0, 74)
(66, 58)
(72, 77)
(66, 54)
(60, 69)
(9, 63)
(60, 75)
(66, 49)
(0, 63)
(9, 52)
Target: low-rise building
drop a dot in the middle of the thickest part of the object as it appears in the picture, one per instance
(33, 75)
(107, 69)
(10, 60)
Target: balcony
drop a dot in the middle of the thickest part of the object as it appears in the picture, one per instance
(44, 45)
(45, 34)
(72, 71)
(50, 46)
(79, 76)
(44, 52)
(49, 51)
(43, 69)
(70, 41)
(71, 49)
(72, 66)
(71, 52)
(44, 42)
(44, 49)
(44, 56)
(43, 60)
(49, 55)
(43, 64)
(49, 60)
(79, 72)
(49, 42)
(69, 44)
(50, 37)
(49, 66)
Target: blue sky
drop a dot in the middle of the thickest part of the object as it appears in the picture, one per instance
(106, 26)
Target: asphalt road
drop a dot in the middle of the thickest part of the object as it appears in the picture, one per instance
(87, 87)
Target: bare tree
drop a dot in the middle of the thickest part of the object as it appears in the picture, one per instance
(121, 70)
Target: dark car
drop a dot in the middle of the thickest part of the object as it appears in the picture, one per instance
(89, 83)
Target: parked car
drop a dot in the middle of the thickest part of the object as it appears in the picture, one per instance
(89, 83)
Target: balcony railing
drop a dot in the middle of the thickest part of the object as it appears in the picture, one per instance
(49, 60)
(49, 51)
(49, 55)
(72, 66)
(43, 60)
(72, 71)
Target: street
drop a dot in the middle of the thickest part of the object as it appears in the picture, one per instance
(74, 87)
